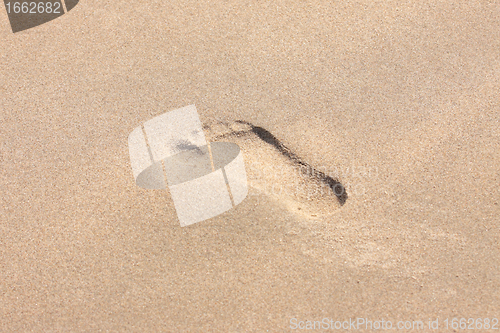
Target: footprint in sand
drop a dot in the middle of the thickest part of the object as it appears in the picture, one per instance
(274, 170)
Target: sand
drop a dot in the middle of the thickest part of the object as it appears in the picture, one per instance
(398, 101)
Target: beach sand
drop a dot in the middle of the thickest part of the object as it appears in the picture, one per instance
(398, 101)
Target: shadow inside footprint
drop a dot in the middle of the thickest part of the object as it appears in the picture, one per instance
(337, 188)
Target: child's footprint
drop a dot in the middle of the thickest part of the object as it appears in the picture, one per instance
(274, 170)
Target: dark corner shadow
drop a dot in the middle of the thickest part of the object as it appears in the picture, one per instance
(26, 15)
(337, 188)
